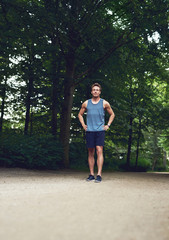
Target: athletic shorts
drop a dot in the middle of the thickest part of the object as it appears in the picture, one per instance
(94, 139)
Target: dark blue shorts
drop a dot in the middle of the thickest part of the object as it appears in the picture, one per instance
(94, 139)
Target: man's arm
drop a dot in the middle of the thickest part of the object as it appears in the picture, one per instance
(108, 108)
(80, 115)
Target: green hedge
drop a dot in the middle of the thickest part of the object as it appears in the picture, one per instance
(45, 152)
(34, 152)
(78, 156)
(112, 160)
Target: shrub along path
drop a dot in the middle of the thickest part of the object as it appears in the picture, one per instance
(62, 205)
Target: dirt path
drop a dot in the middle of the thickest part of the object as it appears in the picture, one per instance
(37, 205)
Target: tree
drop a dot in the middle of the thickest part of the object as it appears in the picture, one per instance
(133, 21)
(75, 39)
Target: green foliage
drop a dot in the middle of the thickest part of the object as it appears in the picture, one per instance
(78, 155)
(114, 158)
(114, 42)
(41, 152)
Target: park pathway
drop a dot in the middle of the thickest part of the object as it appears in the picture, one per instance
(61, 205)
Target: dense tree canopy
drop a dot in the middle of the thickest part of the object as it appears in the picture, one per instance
(51, 53)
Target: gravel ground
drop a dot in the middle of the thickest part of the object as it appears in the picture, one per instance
(61, 205)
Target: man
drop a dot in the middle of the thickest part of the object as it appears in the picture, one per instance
(95, 128)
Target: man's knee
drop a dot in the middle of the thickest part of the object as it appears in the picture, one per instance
(99, 150)
(91, 151)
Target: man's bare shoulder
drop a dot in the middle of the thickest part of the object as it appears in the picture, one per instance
(106, 104)
(84, 105)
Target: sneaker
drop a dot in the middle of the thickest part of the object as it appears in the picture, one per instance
(98, 179)
(90, 178)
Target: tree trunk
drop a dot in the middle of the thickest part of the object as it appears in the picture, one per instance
(31, 122)
(131, 127)
(3, 105)
(67, 107)
(138, 143)
(54, 107)
(154, 162)
(155, 150)
(28, 102)
(129, 142)
(56, 65)
(164, 158)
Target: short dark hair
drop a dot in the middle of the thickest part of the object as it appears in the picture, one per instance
(97, 85)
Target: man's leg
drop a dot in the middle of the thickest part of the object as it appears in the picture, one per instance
(91, 161)
(100, 159)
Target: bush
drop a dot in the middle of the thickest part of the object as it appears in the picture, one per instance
(142, 166)
(78, 155)
(116, 160)
(39, 152)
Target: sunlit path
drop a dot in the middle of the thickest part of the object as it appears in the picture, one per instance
(62, 205)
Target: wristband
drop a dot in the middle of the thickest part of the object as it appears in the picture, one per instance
(108, 125)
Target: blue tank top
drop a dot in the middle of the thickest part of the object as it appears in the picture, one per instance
(95, 116)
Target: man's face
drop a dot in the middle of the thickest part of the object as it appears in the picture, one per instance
(96, 92)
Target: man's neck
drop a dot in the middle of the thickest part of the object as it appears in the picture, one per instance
(95, 99)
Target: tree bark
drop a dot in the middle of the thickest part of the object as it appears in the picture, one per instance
(67, 106)
(3, 105)
(138, 143)
(129, 142)
(56, 65)
(156, 150)
(28, 101)
(31, 122)
(164, 158)
(154, 162)
(131, 128)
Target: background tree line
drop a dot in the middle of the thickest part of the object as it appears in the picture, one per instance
(51, 53)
